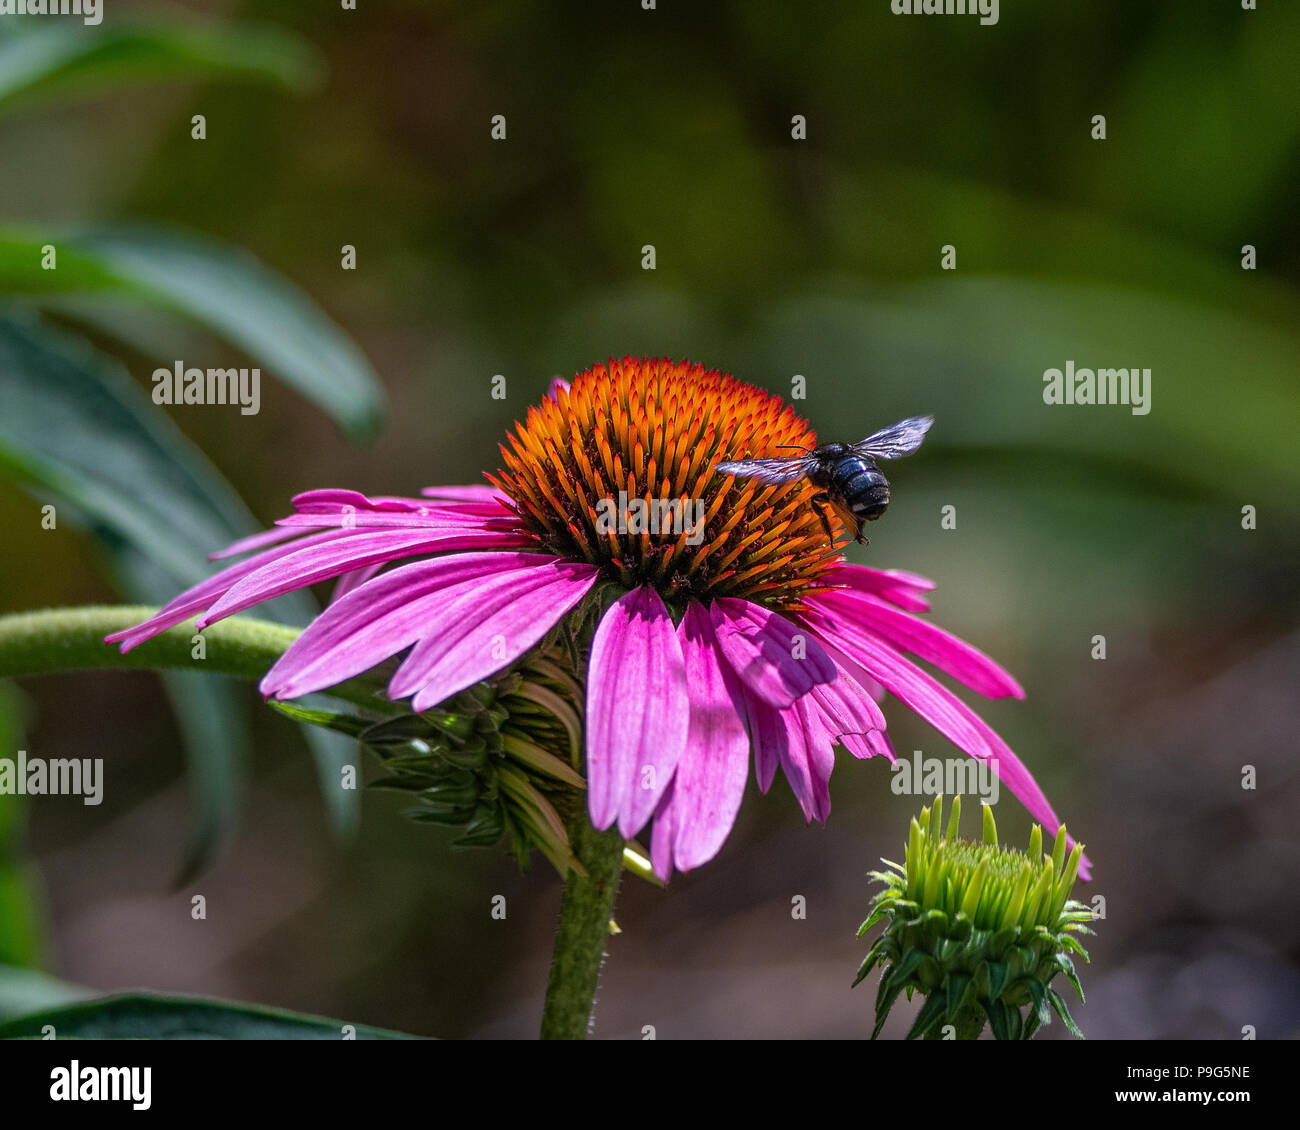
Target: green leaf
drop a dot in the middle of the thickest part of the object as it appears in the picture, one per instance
(76, 430)
(74, 423)
(144, 1016)
(26, 990)
(212, 284)
(65, 57)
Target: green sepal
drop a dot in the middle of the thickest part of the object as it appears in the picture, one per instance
(932, 1013)
(453, 817)
(473, 754)
(994, 977)
(999, 1019)
(869, 962)
(1042, 1010)
(484, 829)
(342, 723)
(458, 725)
(1066, 966)
(402, 730)
(907, 966)
(1031, 1025)
(406, 784)
(1063, 1012)
(534, 757)
(1072, 943)
(957, 987)
(880, 912)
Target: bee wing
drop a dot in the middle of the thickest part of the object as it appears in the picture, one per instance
(897, 440)
(784, 470)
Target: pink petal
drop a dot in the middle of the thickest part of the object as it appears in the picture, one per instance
(485, 625)
(963, 662)
(351, 510)
(782, 736)
(849, 711)
(313, 563)
(700, 804)
(855, 681)
(900, 588)
(819, 747)
(907, 682)
(807, 758)
(875, 744)
(382, 617)
(638, 711)
(767, 730)
(943, 710)
(476, 492)
(776, 660)
(195, 600)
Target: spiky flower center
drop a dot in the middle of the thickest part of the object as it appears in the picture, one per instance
(618, 471)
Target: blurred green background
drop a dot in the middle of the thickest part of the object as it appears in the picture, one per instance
(774, 257)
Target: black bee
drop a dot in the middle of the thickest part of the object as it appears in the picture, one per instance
(847, 474)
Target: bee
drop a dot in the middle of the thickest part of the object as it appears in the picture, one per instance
(847, 474)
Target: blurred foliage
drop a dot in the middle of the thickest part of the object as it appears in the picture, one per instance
(75, 428)
(40, 59)
(22, 930)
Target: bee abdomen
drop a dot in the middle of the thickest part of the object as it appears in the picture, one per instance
(863, 488)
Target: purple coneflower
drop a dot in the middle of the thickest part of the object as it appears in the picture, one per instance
(746, 631)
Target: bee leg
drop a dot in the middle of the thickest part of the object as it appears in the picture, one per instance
(823, 501)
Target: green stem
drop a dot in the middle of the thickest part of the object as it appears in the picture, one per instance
(585, 914)
(72, 639)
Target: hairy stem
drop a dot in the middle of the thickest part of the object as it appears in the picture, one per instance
(585, 914)
(72, 639)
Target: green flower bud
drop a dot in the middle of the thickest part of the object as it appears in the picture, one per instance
(980, 930)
